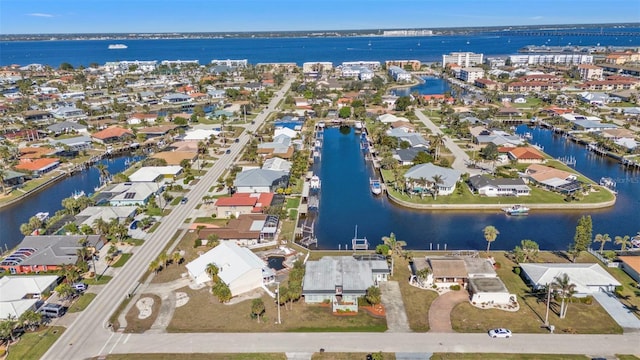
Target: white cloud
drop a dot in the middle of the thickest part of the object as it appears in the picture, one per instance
(40, 15)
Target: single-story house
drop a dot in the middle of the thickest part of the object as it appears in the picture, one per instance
(90, 214)
(414, 139)
(390, 118)
(342, 279)
(176, 98)
(592, 126)
(200, 135)
(139, 118)
(406, 156)
(77, 143)
(260, 180)
(175, 157)
(281, 146)
(47, 252)
(552, 178)
(588, 278)
(449, 177)
(631, 265)
(246, 230)
(525, 155)
(38, 167)
(277, 164)
(156, 173)
(242, 203)
(489, 290)
(487, 186)
(65, 127)
(19, 294)
(112, 134)
(238, 267)
(132, 193)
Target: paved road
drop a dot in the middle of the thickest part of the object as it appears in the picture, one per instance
(88, 334)
(601, 345)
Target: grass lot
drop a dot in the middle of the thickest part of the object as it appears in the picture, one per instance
(489, 356)
(34, 344)
(627, 357)
(82, 302)
(211, 220)
(173, 271)
(135, 325)
(266, 356)
(581, 318)
(122, 260)
(416, 301)
(203, 313)
(101, 280)
(287, 229)
(293, 203)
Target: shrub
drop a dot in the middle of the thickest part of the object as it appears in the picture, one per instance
(454, 287)
(517, 270)
(587, 300)
(197, 243)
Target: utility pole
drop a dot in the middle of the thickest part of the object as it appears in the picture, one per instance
(546, 316)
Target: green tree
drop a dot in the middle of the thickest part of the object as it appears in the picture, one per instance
(527, 251)
(566, 289)
(490, 234)
(395, 245)
(222, 292)
(257, 308)
(154, 266)
(602, 239)
(623, 241)
(212, 270)
(345, 112)
(490, 152)
(30, 319)
(403, 103)
(373, 296)
(582, 237)
(383, 249)
(64, 290)
(422, 157)
(177, 257)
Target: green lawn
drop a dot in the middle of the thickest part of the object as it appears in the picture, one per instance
(221, 356)
(493, 356)
(82, 302)
(97, 281)
(122, 260)
(211, 220)
(34, 344)
(293, 203)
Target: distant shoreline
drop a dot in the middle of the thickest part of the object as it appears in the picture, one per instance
(307, 33)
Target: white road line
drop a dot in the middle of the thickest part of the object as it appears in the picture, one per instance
(116, 343)
(126, 339)
(105, 343)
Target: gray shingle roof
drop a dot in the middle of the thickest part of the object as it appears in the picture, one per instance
(355, 276)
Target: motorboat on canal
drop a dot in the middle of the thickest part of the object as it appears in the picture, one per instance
(608, 182)
(516, 210)
(376, 187)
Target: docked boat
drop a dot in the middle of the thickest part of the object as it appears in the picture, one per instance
(117, 46)
(358, 125)
(516, 210)
(42, 216)
(376, 187)
(78, 194)
(608, 182)
(314, 183)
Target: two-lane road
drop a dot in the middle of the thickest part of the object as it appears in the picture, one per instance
(88, 335)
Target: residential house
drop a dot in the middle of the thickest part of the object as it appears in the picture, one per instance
(525, 155)
(142, 118)
(90, 214)
(242, 203)
(486, 84)
(38, 116)
(19, 294)
(132, 193)
(260, 181)
(75, 144)
(66, 127)
(277, 164)
(280, 147)
(487, 186)
(449, 177)
(44, 253)
(592, 126)
(631, 265)
(587, 278)
(391, 119)
(176, 98)
(482, 136)
(156, 174)
(598, 99)
(552, 178)
(69, 113)
(177, 156)
(112, 134)
(245, 230)
(407, 156)
(341, 280)
(200, 135)
(239, 268)
(414, 139)
(38, 167)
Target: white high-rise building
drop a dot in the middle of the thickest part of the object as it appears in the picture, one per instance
(464, 59)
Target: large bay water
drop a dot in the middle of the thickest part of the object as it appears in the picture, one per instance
(346, 202)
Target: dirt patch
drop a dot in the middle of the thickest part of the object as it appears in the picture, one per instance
(375, 310)
(174, 271)
(137, 325)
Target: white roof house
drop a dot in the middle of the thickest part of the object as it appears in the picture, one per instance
(427, 171)
(90, 214)
(238, 267)
(154, 173)
(200, 134)
(588, 278)
(390, 118)
(22, 293)
(260, 180)
(285, 131)
(129, 193)
(277, 164)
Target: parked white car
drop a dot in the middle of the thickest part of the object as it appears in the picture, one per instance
(500, 333)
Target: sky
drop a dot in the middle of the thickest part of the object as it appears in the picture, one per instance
(163, 16)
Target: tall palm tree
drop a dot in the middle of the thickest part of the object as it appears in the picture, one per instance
(562, 283)
(176, 257)
(602, 239)
(213, 270)
(101, 226)
(393, 243)
(490, 234)
(436, 181)
(438, 141)
(623, 241)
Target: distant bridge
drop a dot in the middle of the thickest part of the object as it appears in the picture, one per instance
(549, 33)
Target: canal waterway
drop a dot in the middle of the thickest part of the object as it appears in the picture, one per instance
(431, 85)
(50, 199)
(346, 202)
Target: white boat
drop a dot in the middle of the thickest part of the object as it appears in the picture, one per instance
(528, 135)
(77, 194)
(314, 183)
(358, 125)
(320, 125)
(42, 216)
(376, 187)
(516, 210)
(609, 183)
(117, 46)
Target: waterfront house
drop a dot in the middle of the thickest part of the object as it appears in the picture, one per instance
(407, 156)
(132, 193)
(200, 135)
(260, 181)
(37, 116)
(176, 98)
(552, 178)
(592, 126)
(245, 230)
(588, 278)
(525, 155)
(19, 294)
(391, 119)
(66, 127)
(487, 186)
(239, 268)
(631, 265)
(13, 179)
(277, 164)
(77, 143)
(140, 118)
(156, 174)
(482, 136)
(112, 134)
(280, 147)
(44, 253)
(69, 113)
(341, 280)
(242, 203)
(90, 214)
(156, 131)
(38, 167)
(449, 178)
(415, 140)
(176, 157)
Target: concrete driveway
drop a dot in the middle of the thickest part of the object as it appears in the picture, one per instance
(618, 311)
(394, 307)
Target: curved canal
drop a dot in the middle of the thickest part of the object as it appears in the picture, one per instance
(50, 199)
(346, 202)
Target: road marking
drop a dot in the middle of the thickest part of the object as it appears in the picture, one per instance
(126, 339)
(116, 343)
(105, 343)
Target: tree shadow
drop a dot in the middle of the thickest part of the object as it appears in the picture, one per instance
(562, 254)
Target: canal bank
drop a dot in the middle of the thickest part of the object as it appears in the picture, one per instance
(346, 202)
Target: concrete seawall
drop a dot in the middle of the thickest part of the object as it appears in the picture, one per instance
(35, 190)
(567, 206)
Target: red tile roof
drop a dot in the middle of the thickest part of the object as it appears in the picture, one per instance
(36, 164)
(112, 132)
(526, 153)
(257, 201)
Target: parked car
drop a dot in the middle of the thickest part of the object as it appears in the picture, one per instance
(184, 200)
(52, 310)
(79, 287)
(500, 333)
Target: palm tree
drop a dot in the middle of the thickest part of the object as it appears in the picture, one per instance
(437, 180)
(222, 292)
(394, 244)
(212, 270)
(374, 296)
(257, 308)
(623, 241)
(602, 239)
(176, 257)
(490, 234)
(30, 319)
(104, 173)
(101, 226)
(154, 266)
(163, 259)
(438, 141)
(562, 283)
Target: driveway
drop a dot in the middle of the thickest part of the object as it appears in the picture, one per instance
(618, 311)
(394, 307)
(440, 310)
